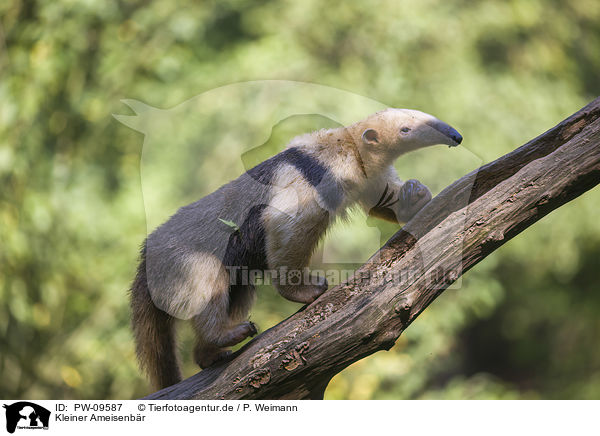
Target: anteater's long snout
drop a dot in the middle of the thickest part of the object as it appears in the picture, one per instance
(448, 131)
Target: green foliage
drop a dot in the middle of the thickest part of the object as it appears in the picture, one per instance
(523, 324)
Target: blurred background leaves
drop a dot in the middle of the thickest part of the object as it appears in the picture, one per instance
(525, 322)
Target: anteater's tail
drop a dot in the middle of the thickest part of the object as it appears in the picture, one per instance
(154, 332)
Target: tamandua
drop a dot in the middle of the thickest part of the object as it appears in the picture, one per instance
(270, 218)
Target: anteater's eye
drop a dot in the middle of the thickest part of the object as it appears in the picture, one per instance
(405, 129)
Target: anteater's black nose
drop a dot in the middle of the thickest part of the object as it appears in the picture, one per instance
(456, 137)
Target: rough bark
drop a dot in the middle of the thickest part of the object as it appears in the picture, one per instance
(462, 225)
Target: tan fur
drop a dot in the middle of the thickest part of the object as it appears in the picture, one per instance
(294, 219)
(201, 271)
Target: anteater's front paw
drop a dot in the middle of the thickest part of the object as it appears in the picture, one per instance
(305, 291)
(412, 197)
(308, 293)
(315, 291)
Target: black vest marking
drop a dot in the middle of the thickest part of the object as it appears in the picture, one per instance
(246, 248)
(310, 168)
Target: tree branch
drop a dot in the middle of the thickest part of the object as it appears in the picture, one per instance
(462, 225)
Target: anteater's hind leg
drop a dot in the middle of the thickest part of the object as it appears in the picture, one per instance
(223, 324)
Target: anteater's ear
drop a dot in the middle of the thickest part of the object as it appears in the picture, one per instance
(370, 137)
